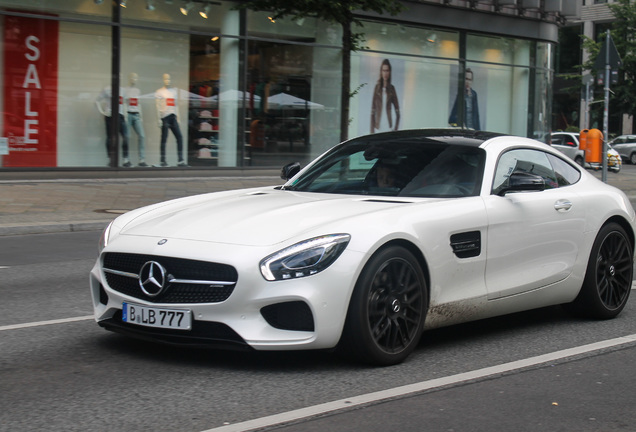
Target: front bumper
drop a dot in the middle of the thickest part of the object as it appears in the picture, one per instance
(304, 313)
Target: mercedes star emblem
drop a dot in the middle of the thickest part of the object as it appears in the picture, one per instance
(152, 278)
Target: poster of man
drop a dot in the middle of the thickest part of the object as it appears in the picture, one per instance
(471, 105)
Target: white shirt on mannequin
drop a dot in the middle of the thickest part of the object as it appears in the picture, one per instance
(132, 94)
(167, 98)
(104, 98)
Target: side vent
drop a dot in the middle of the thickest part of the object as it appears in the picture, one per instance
(293, 315)
(467, 244)
(103, 297)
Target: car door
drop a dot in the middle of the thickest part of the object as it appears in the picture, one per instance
(566, 144)
(618, 144)
(626, 147)
(533, 237)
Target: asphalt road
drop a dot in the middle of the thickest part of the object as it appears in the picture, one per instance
(59, 371)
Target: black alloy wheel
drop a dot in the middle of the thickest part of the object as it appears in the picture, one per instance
(580, 161)
(608, 279)
(387, 309)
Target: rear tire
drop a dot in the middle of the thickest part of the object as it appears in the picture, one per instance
(387, 309)
(580, 161)
(608, 278)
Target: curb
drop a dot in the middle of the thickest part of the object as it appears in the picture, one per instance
(53, 227)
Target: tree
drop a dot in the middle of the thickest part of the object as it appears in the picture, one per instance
(623, 34)
(623, 30)
(341, 12)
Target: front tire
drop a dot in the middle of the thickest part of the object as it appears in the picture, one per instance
(387, 309)
(608, 278)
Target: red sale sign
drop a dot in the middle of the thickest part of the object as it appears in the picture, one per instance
(30, 92)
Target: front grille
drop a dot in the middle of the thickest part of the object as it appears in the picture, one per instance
(184, 270)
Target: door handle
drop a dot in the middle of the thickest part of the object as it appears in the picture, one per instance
(562, 205)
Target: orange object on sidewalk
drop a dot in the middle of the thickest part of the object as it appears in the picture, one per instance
(594, 146)
(583, 139)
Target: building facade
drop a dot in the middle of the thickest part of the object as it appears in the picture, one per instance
(596, 18)
(93, 83)
(573, 109)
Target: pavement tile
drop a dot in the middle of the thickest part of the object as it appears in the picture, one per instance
(59, 205)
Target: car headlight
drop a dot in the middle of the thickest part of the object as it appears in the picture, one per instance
(103, 240)
(305, 258)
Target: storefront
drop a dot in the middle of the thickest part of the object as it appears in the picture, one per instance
(202, 84)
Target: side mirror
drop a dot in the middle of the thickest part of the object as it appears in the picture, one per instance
(290, 170)
(520, 181)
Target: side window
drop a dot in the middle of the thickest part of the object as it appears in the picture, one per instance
(524, 160)
(566, 174)
(557, 140)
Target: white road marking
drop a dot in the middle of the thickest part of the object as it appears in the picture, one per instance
(43, 323)
(348, 403)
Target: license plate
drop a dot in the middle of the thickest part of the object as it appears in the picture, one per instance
(179, 319)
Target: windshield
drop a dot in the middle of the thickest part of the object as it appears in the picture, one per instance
(401, 167)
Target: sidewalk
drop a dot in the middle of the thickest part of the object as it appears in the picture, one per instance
(81, 202)
(37, 206)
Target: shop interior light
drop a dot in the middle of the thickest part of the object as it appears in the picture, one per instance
(187, 7)
(205, 12)
(122, 3)
(150, 5)
(214, 39)
(98, 1)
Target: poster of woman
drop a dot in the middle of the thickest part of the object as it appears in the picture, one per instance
(385, 107)
(381, 95)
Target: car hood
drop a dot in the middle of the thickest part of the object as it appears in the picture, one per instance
(252, 217)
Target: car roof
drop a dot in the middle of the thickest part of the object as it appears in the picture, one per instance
(448, 136)
(565, 133)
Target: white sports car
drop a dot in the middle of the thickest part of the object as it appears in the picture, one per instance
(380, 238)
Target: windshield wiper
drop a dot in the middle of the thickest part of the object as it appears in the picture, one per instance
(288, 188)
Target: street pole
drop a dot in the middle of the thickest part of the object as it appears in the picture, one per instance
(606, 109)
(586, 120)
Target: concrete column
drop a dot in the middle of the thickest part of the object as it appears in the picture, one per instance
(229, 85)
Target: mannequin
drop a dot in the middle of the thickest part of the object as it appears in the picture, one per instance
(135, 120)
(103, 104)
(167, 98)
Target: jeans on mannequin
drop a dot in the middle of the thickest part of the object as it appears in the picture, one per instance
(136, 124)
(123, 130)
(170, 122)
